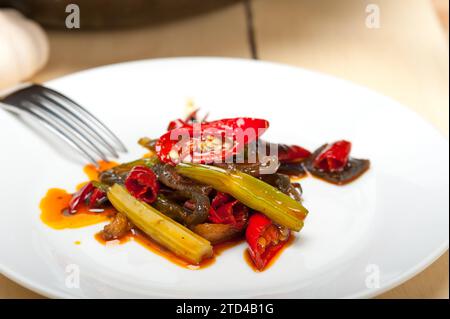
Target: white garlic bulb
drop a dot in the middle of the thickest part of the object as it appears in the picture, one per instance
(24, 48)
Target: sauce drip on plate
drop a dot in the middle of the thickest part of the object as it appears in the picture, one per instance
(54, 205)
(154, 247)
(93, 172)
(55, 215)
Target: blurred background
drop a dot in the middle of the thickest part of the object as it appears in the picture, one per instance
(395, 47)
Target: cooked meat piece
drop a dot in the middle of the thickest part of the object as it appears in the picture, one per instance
(118, 228)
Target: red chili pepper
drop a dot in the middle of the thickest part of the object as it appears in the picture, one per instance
(178, 123)
(209, 142)
(226, 210)
(265, 239)
(292, 153)
(143, 184)
(334, 157)
(220, 199)
(80, 197)
(90, 195)
(97, 198)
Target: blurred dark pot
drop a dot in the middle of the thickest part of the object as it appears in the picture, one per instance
(113, 13)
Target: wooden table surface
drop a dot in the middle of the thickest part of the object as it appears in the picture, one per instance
(406, 58)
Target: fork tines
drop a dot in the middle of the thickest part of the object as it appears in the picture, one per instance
(69, 120)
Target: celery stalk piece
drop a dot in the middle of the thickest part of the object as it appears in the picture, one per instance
(170, 234)
(251, 191)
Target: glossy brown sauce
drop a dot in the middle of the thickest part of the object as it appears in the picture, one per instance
(93, 171)
(146, 242)
(250, 263)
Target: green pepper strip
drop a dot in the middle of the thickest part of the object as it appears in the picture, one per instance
(169, 208)
(251, 191)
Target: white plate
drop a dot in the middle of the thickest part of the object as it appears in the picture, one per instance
(359, 240)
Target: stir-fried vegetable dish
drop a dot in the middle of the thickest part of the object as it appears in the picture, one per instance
(205, 183)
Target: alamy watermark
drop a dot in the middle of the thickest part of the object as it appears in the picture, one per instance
(373, 276)
(373, 18)
(72, 276)
(228, 145)
(73, 17)
(372, 21)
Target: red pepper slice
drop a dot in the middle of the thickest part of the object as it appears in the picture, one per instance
(143, 184)
(80, 197)
(178, 123)
(89, 195)
(224, 211)
(97, 198)
(220, 199)
(292, 153)
(209, 142)
(334, 157)
(265, 239)
(233, 213)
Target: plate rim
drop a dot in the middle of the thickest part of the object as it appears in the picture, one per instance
(395, 282)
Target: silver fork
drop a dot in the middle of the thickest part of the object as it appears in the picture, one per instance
(65, 118)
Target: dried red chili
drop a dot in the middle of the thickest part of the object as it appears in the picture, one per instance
(334, 157)
(265, 239)
(220, 199)
(80, 197)
(209, 142)
(143, 184)
(97, 198)
(89, 195)
(226, 210)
